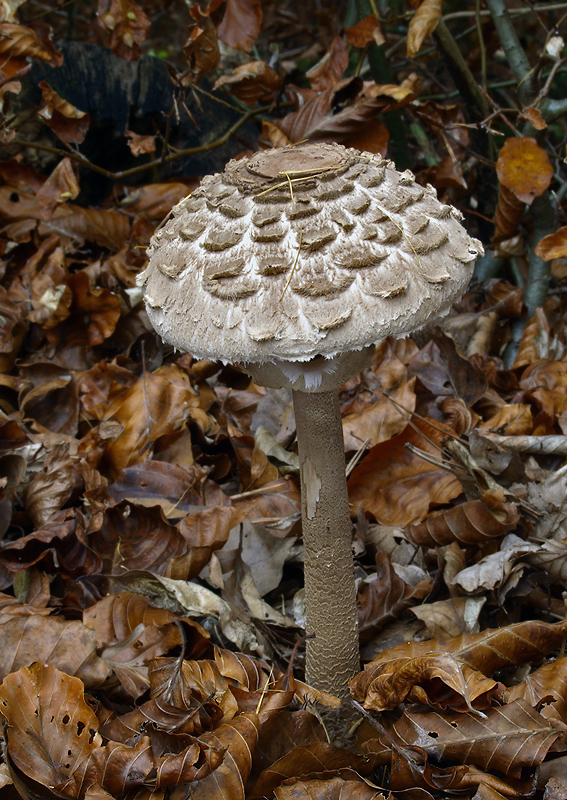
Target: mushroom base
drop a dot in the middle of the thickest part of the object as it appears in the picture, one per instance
(330, 596)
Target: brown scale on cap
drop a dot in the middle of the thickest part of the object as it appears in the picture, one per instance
(284, 237)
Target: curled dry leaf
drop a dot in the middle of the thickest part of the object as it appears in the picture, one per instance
(303, 761)
(397, 486)
(99, 309)
(240, 24)
(51, 487)
(154, 406)
(549, 681)
(524, 168)
(134, 537)
(329, 70)
(489, 650)
(500, 570)
(536, 342)
(469, 523)
(382, 419)
(553, 246)
(107, 228)
(252, 82)
(512, 419)
(17, 42)
(384, 596)
(508, 215)
(422, 24)
(239, 737)
(69, 646)
(365, 32)
(336, 113)
(60, 187)
(327, 788)
(439, 680)
(51, 729)
(140, 145)
(506, 739)
(126, 24)
(451, 617)
(201, 49)
(551, 558)
(65, 120)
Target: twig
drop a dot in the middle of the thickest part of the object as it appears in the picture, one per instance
(459, 68)
(126, 173)
(515, 54)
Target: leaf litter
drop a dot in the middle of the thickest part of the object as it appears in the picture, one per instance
(150, 555)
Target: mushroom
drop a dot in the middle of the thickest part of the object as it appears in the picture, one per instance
(294, 263)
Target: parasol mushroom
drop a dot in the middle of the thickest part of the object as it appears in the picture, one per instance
(293, 263)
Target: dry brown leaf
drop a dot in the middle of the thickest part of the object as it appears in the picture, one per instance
(489, 650)
(439, 680)
(69, 646)
(272, 134)
(422, 24)
(241, 23)
(327, 789)
(205, 532)
(134, 537)
(450, 617)
(140, 145)
(51, 729)
(303, 761)
(507, 739)
(107, 228)
(469, 523)
(201, 49)
(126, 24)
(154, 406)
(51, 487)
(551, 558)
(382, 419)
(553, 246)
(365, 32)
(524, 168)
(60, 187)
(383, 597)
(397, 486)
(514, 419)
(549, 681)
(252, 82)
(536, 341)
(508, 215)
(239, 736)
(329, 70)
(65, 120)
(501, 570)
(533, 115)
(18, 42)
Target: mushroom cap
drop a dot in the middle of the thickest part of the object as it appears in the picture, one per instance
(304, 251)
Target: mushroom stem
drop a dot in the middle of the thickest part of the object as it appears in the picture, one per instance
(330, 596)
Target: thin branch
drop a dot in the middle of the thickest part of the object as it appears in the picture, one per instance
(126, 173)
(460, 71)
(515, 54)
(514, 12)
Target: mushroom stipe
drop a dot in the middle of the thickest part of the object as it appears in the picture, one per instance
(296, 280)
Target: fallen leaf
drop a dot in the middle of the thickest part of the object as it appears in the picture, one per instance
(329, 70)
(140, 145)
(422, 24)
(51, 487)
(364, 32)
(253, 82)
(60, 187)
(65, 120)
(524, 168)
(51, 729)
(241, 23)
(397, 486)
(126, 24)
(553, 246)
(507, 739)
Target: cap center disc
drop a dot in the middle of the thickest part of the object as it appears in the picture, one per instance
(304, 159)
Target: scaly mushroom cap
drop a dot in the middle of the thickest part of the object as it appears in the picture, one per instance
(304, 251)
